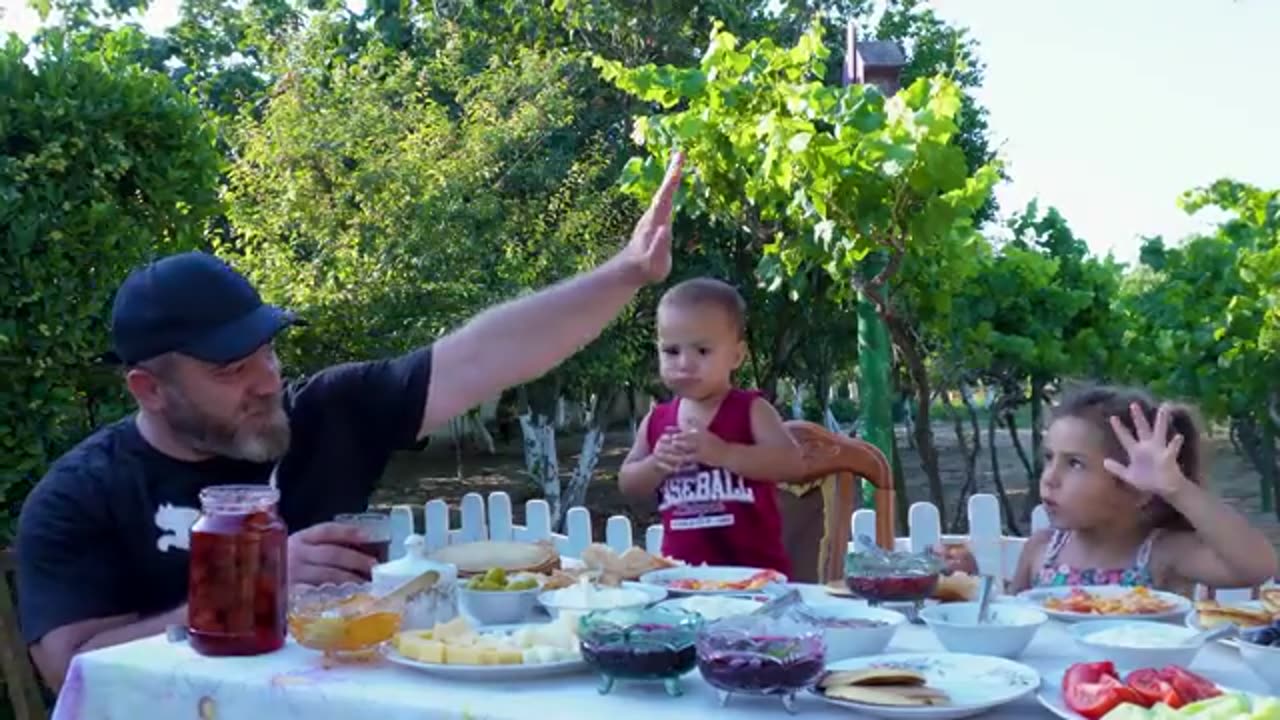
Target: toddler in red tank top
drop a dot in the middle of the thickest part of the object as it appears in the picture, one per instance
(713, 454)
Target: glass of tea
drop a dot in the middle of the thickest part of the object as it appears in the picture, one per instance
(376, 528)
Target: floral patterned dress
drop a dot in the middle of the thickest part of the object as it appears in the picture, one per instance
(1054, 574)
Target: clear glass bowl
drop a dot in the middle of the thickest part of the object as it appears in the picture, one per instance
(892, 576)
(338, 621)
(758, 655)
(640, 644)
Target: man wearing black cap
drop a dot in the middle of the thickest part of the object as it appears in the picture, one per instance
(103, 538)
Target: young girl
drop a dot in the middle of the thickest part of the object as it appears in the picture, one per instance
(1122, 488)
(714, 453)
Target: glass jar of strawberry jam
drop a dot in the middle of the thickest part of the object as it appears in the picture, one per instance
(236, 595)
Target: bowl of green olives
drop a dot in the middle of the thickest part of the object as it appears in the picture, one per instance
(496, 598)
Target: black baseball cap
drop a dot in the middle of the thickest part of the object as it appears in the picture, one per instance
(195, 304)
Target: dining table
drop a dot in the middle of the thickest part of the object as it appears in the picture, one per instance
(160, 677)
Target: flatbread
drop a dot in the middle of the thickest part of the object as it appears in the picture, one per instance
(872, 676)
(1271, 600)
(478, 557)
(913, 696)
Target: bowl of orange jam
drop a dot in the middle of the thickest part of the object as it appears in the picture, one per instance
(341, 620)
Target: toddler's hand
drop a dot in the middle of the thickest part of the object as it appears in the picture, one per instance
(703, 446)
(668, 454)
(1153, 461)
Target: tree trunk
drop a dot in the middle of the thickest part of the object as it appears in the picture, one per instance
(540, 404)
(1012, 423)
(902, 501)
(592, 443)
(1006, 507)
(923, 427)
(960, 517)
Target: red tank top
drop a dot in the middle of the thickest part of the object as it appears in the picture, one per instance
(712, 515)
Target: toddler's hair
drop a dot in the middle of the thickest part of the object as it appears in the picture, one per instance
(1097, 404)
(710, 291)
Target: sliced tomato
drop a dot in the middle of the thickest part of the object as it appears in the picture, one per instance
(1189, 686)
(1088, 672)
(1153, 688)
(1095, 699)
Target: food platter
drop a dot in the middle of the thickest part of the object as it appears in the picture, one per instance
(972, 684)
(714, 580)
(1113, 602)
(1051, 698)
(457, 650)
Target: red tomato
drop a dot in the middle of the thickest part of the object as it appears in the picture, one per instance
(1095, 699)
(1189, 686)
(1153, 688)
(1088, 672)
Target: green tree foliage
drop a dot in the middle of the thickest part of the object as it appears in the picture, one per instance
(1200, 320)
(104, 165)
(823, 175)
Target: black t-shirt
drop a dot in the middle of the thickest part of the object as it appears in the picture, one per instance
(106, 531)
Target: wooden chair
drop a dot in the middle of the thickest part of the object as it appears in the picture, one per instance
(828, 491)
(19, 673)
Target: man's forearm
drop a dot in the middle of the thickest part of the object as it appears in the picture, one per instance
(145, 627)
(521, 340)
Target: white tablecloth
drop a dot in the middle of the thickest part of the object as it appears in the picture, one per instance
(154, 677)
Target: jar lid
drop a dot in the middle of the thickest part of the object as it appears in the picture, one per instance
(414, 563)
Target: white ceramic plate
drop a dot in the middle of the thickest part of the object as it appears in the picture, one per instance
(975, 683)
(494, 673)
(1050, 696)
(1180, 606)
(1193, 621)
(490, 672)
(706, 573)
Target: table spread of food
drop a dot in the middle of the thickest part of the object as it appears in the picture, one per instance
(512, 612)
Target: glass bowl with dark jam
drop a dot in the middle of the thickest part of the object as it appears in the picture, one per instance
(878, 576)
(759, 655)
(640, 644)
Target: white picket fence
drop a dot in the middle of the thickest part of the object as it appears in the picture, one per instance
(995, 552)
(480, 520)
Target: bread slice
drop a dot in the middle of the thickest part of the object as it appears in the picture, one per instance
(872, 676)
(1271, 600)
(903, 696)
(1210, 613)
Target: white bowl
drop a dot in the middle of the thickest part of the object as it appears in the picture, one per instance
(557, 601)
(1007, 632)
(714, 607)
(1134, 657)
(1264, 661)
(849, 642)
(498, 607)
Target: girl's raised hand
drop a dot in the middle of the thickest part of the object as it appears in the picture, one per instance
(1153, 460)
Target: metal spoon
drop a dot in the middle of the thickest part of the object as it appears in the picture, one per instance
(779, 605)
(985, 585)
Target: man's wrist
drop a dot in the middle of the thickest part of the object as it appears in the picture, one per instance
(623, 272)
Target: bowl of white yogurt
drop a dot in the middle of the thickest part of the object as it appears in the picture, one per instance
(586, 596)
(1136, 644)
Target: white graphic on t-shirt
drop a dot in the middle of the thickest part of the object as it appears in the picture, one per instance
(175, 525)
(698, 500)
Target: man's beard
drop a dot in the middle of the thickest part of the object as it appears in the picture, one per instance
(217, 437)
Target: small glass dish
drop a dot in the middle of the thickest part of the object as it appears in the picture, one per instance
(640, 644)
(759, 655)
(893, 577)
(338, 621)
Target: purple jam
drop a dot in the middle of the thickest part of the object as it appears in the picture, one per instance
(761, 665)
(641, 651)
(639, 660)
(893, 588)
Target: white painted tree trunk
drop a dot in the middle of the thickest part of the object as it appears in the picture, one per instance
(797, 402)
(481, 433)
(592, 444)
(540, 460)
